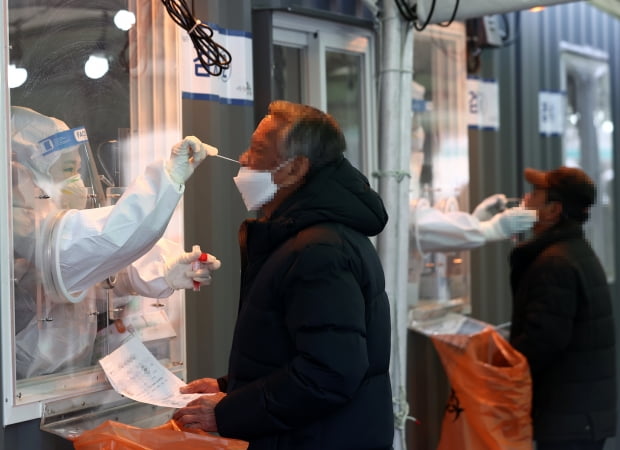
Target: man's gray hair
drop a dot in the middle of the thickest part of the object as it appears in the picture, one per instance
(307, 131)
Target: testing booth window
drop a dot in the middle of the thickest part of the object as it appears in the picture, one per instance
(94, 104)
(439, 167)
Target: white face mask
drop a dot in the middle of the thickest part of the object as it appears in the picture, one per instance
(256, 186)
(73, 193)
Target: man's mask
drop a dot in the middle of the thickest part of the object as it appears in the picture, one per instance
(256, 186)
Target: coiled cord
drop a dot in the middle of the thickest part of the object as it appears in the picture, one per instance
(410, 14)
(213, 57)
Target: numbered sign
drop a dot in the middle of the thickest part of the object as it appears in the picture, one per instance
(235, 85)
(551, 112)
(482, 104)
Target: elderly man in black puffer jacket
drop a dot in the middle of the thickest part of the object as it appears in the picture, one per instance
(309, 365)
(562, 316)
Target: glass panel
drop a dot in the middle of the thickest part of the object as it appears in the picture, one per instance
(81, 113)
(344, 99)
(588, 144)
(335, 69)
(287, 73)
(439, 165)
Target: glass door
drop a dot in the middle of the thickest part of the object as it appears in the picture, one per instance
(330, 66)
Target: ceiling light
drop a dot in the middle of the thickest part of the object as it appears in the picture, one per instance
(17, 76)
(96, 66)
(124, 19)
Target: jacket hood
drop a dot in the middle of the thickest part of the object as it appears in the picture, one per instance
(337, 193)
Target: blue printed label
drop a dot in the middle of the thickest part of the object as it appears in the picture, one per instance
(63, 140)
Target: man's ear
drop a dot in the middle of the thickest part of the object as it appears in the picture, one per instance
(293, 173)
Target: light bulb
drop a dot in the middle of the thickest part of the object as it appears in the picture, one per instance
(124, 19)
(96, 66)
(17, 76)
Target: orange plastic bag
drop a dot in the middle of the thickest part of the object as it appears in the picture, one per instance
(490, 403)
(112, 435)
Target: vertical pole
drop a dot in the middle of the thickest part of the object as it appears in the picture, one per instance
(395, 76)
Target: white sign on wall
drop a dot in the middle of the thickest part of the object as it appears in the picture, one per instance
(235, 85)
(551, 112)
(482, 103)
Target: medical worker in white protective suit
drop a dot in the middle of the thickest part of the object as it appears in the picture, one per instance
(63, 251)
(434, 230)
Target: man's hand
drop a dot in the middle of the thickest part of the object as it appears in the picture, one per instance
(201, 386)
(199, 413)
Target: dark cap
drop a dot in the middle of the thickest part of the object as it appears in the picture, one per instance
(568, 185)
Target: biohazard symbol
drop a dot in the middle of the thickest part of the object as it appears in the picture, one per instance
(454, 405)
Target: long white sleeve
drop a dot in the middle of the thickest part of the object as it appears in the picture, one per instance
(146, 275)
(435, 230)
(97, 243)
(432, 230)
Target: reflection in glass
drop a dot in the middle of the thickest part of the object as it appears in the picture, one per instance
(588, 143)
(287, 73)
(344, 102)
(56, 115)
(71, 138)
(439, 165)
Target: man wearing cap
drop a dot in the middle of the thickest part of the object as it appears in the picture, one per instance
(562, 316)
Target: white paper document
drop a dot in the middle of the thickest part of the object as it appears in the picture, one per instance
(134, 372)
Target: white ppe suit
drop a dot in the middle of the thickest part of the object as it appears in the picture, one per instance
(60, 255)
(435, 235)
(433, 230)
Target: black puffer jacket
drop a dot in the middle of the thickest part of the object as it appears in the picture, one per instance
(310, 356)
(562, 322)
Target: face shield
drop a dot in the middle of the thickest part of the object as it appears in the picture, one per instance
(73, 180)
(59, 159)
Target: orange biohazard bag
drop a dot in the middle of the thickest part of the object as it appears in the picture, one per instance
(490, 403)
(112, 435)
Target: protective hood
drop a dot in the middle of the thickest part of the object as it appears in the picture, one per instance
(28, 129)
(38, 142)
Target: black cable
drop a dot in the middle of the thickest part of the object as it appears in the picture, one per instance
(410, 13)
(405, 10)
(431, 11)
(454, 11)
(505, 40)
(213, 57)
